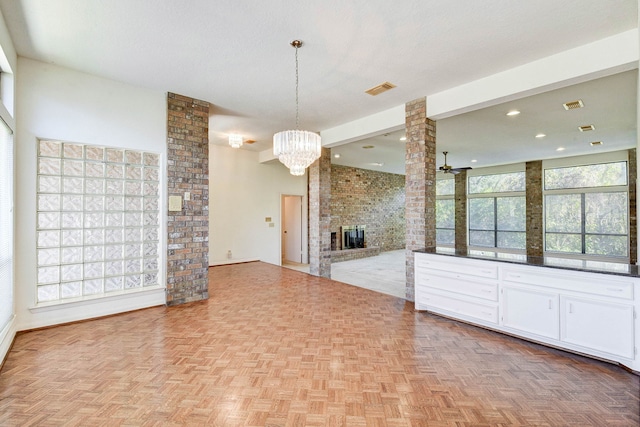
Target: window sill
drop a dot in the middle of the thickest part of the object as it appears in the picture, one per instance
(81, 301)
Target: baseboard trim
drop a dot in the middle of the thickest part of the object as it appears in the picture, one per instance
(7, 338)
(232, 261)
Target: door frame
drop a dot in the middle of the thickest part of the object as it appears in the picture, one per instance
(304, 225)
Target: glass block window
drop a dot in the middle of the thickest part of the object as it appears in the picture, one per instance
(97, 220)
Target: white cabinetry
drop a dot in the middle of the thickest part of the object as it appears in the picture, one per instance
(601, 326)
(531, 311)
(466, 289)
(587, 312)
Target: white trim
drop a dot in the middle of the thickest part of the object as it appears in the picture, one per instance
(7, 335)
(73, 311)
(232, 261)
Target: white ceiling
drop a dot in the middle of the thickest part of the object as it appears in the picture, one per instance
(236, 55)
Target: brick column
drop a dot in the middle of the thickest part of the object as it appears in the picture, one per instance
(320, 215)
(633, 219)
(461, 212)
(535, 238)
(420, 185)
(188, 171)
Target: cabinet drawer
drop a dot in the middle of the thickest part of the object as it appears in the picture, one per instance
(486, 313)
(459, 284)
(594, 284)
(478, 269)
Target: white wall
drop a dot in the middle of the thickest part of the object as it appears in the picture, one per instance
(8, 65)
(58, 103)
(242, 193)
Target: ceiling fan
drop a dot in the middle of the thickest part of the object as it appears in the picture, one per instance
(448, 169)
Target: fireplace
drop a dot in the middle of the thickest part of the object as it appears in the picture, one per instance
(353, 236)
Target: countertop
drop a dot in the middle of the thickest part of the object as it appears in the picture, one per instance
(615, 268)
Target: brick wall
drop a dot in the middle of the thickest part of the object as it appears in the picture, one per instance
(533, 196)
(320, 215)
(371, 198)
(461, 212)
(188, 171)
(633, 219)
(420, 185)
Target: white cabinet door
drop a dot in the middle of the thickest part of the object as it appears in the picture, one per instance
(531, 311)
(598, 325)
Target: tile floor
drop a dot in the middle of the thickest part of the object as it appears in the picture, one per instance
(383, 273)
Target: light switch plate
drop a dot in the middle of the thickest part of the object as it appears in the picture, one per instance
(187, 195)
(175, 203)
(267, 219)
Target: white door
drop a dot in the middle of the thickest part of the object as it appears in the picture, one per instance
(292, 228)
(531, 311)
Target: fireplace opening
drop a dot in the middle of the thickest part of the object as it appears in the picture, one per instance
(353, 236)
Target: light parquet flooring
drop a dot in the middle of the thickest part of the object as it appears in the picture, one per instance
(276, 347)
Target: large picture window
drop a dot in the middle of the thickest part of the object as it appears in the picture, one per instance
(497, 211)
(445, 212)
(97, 220)
(586, 210)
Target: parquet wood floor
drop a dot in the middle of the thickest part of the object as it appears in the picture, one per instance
(276, 347)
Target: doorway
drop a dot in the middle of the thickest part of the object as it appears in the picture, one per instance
(292, 229)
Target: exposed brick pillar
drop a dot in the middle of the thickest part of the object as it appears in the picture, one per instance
(320, 215)
(461, 212)
(420, 185)
(188, 171)
(535, 238)
(633, 219)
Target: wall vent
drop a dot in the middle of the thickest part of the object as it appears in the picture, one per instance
(377, 90)
(572, 105)
(586, 128)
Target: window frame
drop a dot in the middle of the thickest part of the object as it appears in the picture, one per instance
(491, 250)
(615, 157)
(450, 197)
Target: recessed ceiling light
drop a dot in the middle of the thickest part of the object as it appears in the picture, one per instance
(474, 161)
(560, 149)
(403, 138)
(594, 143)
(540, 135)
(513, 113)
(367, 147)
(337, 156)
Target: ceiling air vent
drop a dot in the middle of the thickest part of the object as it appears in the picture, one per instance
(586, 128)
(250, 141)
(377, 90)
(572, 105)
(595, 143)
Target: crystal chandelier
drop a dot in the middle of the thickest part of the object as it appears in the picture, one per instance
(235, 140)
(296, 149)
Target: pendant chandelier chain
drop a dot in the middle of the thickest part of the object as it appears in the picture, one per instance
(297, 114)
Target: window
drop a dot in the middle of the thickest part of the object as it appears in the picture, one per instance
(497, 211)
(6, 224)
(97, 220)
(445, 212)
(586, 210)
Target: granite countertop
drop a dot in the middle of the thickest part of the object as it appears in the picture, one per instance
(619, 269)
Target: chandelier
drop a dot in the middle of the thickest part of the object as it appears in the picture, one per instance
(235, 140)
(296, 149)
